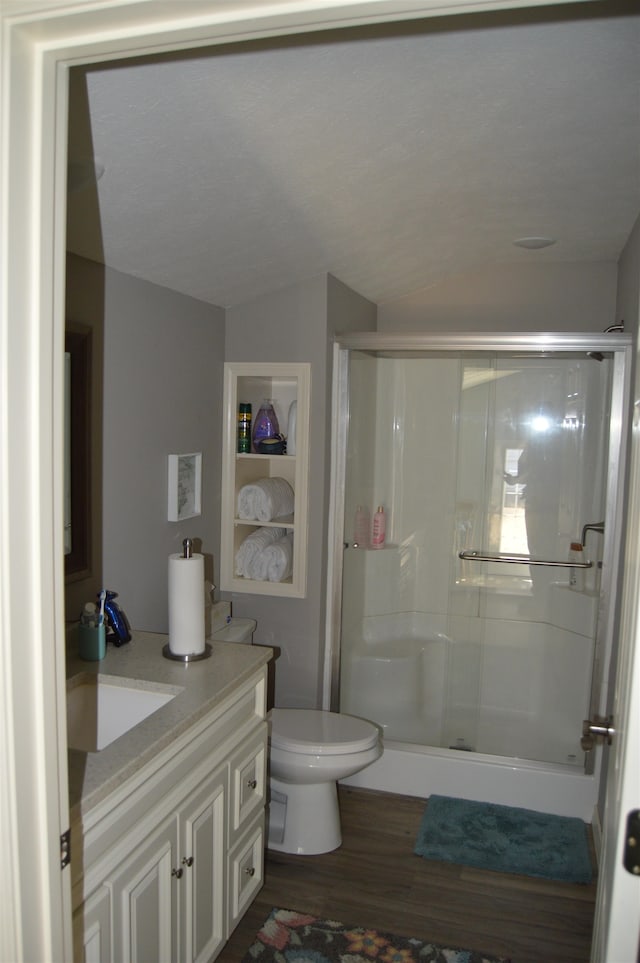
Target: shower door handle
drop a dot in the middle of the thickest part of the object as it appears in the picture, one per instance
(601, 728)
(473, 555)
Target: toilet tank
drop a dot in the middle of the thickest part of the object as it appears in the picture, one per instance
(235, 630)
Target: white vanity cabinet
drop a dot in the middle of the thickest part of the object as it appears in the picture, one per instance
(283, 384)
(173, 857)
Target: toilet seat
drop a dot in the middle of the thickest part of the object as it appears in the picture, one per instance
(317, 732)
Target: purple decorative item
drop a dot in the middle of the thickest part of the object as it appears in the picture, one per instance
(265, 426)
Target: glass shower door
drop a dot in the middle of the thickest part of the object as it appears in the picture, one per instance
(491, 456)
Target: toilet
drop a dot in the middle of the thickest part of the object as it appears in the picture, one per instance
(309, 751)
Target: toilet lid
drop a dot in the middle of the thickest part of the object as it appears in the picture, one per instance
(314, 732)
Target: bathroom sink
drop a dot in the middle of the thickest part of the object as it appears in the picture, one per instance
(102, 708)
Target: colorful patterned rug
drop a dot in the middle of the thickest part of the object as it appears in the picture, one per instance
(290, 937)
(505, 839)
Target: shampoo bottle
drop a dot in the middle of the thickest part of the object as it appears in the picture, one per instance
(361, 527)
(576, 575)
(379, 528)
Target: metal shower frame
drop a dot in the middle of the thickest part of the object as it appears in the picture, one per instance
(619, 345)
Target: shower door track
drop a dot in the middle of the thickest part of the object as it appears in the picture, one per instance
(530, 343)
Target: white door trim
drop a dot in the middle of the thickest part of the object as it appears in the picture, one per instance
(40, 39)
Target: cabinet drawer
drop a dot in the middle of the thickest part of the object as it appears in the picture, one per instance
(246, 871)
(248, 781)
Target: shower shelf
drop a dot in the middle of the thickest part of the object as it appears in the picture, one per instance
(474, 556)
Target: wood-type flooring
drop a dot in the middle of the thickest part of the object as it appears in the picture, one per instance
(375, 880)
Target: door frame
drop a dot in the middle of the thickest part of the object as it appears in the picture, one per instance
(41, 40)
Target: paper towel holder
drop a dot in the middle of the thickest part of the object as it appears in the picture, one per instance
(168, 654)
(187, 552)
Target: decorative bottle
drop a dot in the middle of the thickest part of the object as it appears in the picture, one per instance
(266, 424)
(361, 527)
(576, 575)
(244, 428)
(379, 528)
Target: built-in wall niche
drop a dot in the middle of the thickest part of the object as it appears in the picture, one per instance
(77, 513)
(288, 386)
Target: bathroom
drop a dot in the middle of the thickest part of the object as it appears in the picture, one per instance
(147, 448)
(569, 298)
(295, 323)
(192, 421)
(137, 448)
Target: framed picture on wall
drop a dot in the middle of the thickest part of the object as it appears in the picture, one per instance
(185, 486)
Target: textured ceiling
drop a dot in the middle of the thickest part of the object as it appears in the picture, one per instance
(392, 158)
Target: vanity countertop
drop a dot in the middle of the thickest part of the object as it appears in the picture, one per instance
(203, 684)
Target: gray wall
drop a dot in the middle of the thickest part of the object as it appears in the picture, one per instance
(628, 292)
(163, 358)
(297, 324)
(511, 297)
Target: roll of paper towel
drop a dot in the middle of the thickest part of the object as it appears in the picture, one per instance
(186, 604)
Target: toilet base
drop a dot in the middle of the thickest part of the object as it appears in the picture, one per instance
(303, 819)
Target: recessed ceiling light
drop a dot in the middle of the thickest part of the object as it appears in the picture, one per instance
(535, 243)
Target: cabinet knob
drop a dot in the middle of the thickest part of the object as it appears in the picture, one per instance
(250, 871)
(187, 860)
(252, 783)
(177, 873)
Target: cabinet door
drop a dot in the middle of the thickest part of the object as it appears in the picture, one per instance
(145, 898)
(202, 885)
(92, 929)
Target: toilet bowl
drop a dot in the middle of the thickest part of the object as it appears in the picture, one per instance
(309, 751)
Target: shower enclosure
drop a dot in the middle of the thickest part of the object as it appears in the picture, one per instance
(478, 638)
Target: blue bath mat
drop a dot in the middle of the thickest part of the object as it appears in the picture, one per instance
(504, 839)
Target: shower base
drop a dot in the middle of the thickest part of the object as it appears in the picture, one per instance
(420, 771)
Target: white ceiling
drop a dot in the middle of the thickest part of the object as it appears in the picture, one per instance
(392, 157)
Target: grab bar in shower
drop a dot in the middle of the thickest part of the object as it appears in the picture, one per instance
(592, 527)
(474, 556)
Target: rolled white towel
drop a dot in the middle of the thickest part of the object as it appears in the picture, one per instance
(257, 566)
(253, 545)
(278, 559)
(266, 499)
(274, 562)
